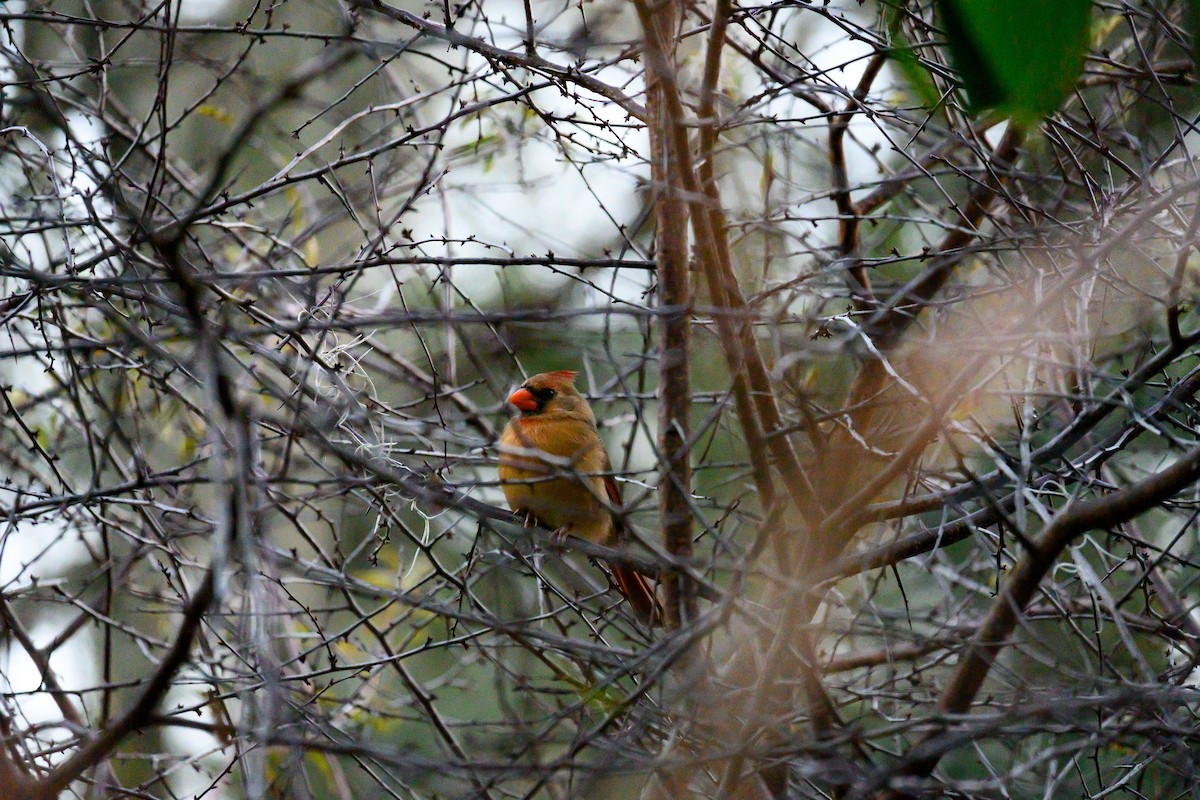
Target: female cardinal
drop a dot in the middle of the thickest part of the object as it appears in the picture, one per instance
(554, 468)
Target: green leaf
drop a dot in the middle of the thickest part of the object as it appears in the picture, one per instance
(1022, 57)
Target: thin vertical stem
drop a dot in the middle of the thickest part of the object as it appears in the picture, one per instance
(659, 23)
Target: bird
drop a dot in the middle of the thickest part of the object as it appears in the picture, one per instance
(555, 471)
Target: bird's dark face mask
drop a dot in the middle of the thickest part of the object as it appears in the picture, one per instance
(530, 400)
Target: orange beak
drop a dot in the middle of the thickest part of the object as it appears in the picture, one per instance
(523, 399)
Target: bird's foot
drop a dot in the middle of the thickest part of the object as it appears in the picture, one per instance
(559, 536)
(527, 518)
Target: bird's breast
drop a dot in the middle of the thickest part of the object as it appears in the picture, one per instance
(553, 470)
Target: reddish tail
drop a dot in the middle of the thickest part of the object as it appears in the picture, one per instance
(637, 588)
(639, 591)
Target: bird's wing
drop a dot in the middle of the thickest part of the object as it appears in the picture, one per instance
(613, 490)
(636, 587)
(639, 591)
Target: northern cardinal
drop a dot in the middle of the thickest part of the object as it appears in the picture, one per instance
(554, 469)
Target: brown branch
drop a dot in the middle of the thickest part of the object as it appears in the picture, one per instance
(718, 248)
(740, 348)
(738, 344)
(891, 186)
(1005, 613)
(875, 658)
(668, 163)
(839, 527)
(13, 777)
(848, 215)
(886, 327)
(41, 659)
(1096, 455)
(1174, 300)
(142, 709)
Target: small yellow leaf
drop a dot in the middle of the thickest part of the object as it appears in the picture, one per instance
(768, 173)
(216, 113)
(1103, 27)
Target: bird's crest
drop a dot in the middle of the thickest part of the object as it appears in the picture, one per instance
(562, 380)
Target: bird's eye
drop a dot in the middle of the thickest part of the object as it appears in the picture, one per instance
(543, 394)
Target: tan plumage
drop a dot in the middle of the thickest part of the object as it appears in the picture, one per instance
(553, 468)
